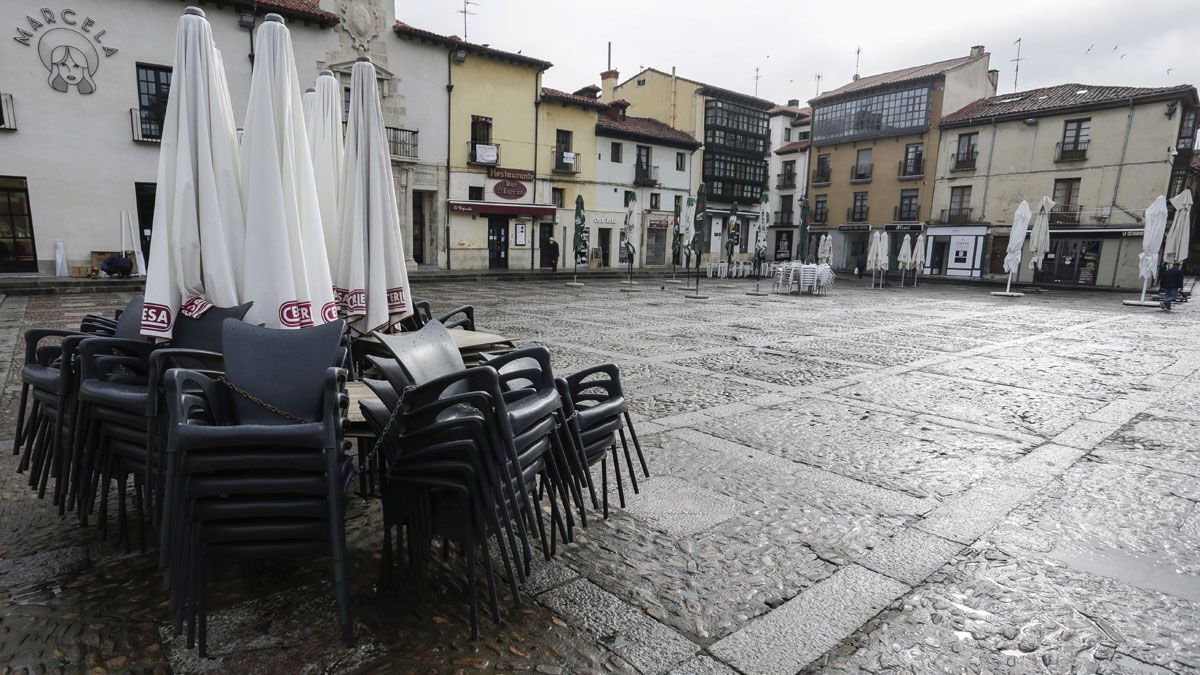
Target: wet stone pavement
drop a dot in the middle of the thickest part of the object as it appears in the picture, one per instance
(906, 480)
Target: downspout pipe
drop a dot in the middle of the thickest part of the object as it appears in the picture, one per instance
(1124, 148)
(537, 150)
(987, 176)
(449, 135)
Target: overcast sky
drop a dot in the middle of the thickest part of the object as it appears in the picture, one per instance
(1132, 42)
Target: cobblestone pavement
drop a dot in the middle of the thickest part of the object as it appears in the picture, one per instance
(912, 480)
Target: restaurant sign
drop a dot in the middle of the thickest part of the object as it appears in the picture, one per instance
(509, 189)
(659, 224)
(501, 173)
(69, 47)
(864, 227)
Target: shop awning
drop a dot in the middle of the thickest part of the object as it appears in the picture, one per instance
(502, 209)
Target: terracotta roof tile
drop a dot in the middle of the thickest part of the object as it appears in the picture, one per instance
(896, 77)
(404, 29)
(1048, 100)
(564, 97)
(305, 10)
(794, 146)
(801, 111)
(646, 129)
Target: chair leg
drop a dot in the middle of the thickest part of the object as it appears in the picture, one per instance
(471, 591)
(617, 476)
(122, 517)
(628, 461)
(604, 482)
(140, 503)
(20, 432)
(637, 445)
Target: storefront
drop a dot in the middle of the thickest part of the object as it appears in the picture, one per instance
(896, 232)
(955, 251)
(658, 238)
(493, 235)
(851, 243)
(1089, 257)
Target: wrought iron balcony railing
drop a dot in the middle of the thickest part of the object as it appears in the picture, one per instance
(146, 129)
(822, 176)
(484, 153)
(566, 161)
(857, 215)
(905, 214)
(1071, 151)
(965, 161)
(644, 175)
(785, 218)
(402, 142)
(861, 172)
(785, 180)
(820, 216)
(957, 215)
(911, 168)
(1065, 214)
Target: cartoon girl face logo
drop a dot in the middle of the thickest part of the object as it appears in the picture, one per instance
(71, 59)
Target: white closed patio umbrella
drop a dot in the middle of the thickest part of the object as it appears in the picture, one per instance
(370, 275)
(1039, 236)
(1016, 241)
(1175, 249)
(1152, 239)
(287, 275)
(328, 151)
(825, 249)
(918, 257)
(309, 100)
(872, 255)
(904, 257)
(198, 228)
(883, 256)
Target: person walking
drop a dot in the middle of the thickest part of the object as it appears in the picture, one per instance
(860, 264)
(1171, 283)
(552, 251)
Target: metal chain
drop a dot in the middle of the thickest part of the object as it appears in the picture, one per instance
(259, 402)
(384, 432)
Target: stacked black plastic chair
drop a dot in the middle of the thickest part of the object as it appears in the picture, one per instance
(459, 317)
(49, 379)
(122, 426)
(256, 467)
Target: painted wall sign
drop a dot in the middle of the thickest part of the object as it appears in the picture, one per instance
(501, 173)
(659, 224)
(904, 227)
(783, 245)
(605, 220)
(509, 189)
(69, 48)
(854, 228)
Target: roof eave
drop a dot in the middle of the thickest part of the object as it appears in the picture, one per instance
(1068, 110)
(427, 36)
(827, 99)
(609, 132)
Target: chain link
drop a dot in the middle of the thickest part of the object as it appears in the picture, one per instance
(259, 402)
(384, 432)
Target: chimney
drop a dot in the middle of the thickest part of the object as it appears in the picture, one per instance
(608, 85)
(856, 77)
(590, 91)
(793, 103)
(994, 78)
(976, 51)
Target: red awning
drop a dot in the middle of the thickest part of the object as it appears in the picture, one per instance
(499, 209)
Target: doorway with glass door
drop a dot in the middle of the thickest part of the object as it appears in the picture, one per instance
(498, 242)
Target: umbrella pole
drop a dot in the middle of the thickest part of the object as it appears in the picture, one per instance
(1145, 283)
(1008, 288)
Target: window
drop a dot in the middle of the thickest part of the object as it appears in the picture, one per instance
(558, 196)
(736, 126)
(154, 85)
(643, 156)
(914, 160)
(614, 155)
(481, 129)
(862, 165)
(630, 196)
(821, 209)
(802, 135)
(966, 151)
(564, 157)
(787, 134)
(822, 173)
(17, 253)
(680, 161)
(345, 103)
(907, 211)
(475, 193)
(655, 200)
(960, 205)
(1066, 202)
(1187, 131)
(890, 113)
(679, 204)
(788, 177)
(562, 140)
(734, 178)
(858, 213)
(1074, 144)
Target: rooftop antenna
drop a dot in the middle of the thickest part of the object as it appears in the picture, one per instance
(857, 56)
(1017, 68)
(818, 84)
(757, 77)
(610, 54)
(465, 11)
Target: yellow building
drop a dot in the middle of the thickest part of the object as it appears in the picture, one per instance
(567, 168)
(874, 149)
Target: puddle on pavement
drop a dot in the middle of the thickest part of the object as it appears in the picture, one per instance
(1135, 570)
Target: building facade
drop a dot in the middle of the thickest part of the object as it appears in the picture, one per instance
(875, 142)
(789, 128)
(79, 148)
(735, 131)
(1103, 154)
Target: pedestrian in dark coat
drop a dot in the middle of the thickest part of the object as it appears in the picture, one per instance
(552, 251)
(1171, 283)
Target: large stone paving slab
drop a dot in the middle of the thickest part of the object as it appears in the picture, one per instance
(771, 366)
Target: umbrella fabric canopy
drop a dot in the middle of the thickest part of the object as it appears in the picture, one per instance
(904, 256)
(630, 232)
(883, 252)
(1156, 223)
(1039, 237)
(687, 228)
(699, 235)
(1179, 238)
(198, 225)
(826, 249)
(759, 240)
(581, 232)
(288, 278)
(872, 252)
(371, 281)
(328, 152)
(1016, 238)
(310, 101)
(918, 254)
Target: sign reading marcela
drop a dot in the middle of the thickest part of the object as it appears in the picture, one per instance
(68, 46)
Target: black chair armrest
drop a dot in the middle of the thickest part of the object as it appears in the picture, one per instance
(34, 336)
(162, 360)
(467, 321)
(110, 346)
(539, 354)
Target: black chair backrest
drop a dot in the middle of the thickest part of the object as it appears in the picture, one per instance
(284, 368)
(427, 354)
(129, 326)
(205, 332)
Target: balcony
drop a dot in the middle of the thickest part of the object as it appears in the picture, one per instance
(402, 142)
(785, 218)
(956, 216)
(1071, 151)
(645, 176)
(565, 161)
(785, 180)
(911, 168)
(857, 215)
(487, 154)
(1065, 214)
(8, 116)
(821, 176)
(1186, 143)
(861, 173)
(820, 216)
(905, 214)
(146, 129)
(964, 161)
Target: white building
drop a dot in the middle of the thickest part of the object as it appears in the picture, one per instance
(786, 171)
(644, 159)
